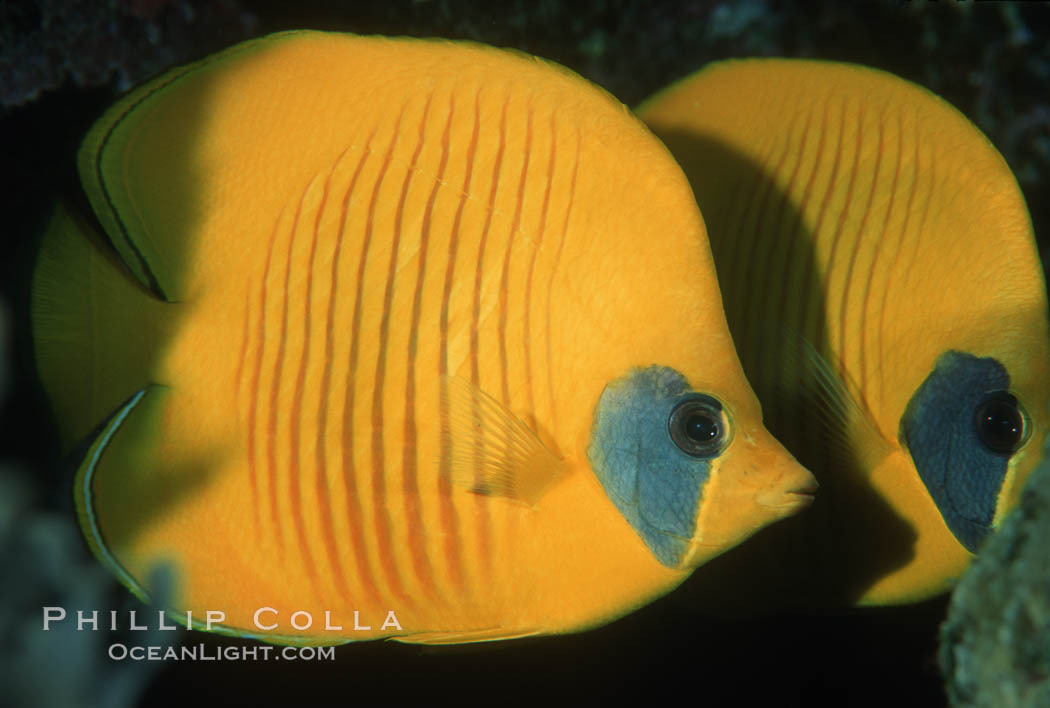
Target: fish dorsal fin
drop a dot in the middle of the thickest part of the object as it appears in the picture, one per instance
(136, 172)
(831, 402)
(492, 451)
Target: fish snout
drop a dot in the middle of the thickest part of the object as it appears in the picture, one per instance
(793, 491)
(787, 501)
(791, 487)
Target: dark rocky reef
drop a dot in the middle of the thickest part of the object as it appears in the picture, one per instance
(995, 650)
(46, 45)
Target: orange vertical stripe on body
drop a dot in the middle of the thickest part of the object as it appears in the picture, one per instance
(353, 504)
(238, 373)
(822, 323)
(254, 387)
(513, 235)
(504, 283)
(810, 323)
(481, 503)
(271, 449)
(475, 374)
(322, 483)
(449, 520)
(911, 261)
(878, 249)
(796, 236)
(294, 486)
(384, 540)
(526, 334)
(788, 266)
(824, 329)
(294, 490)
(890, 278)
(238, 377)
(554, 269)
(271, 426)
(410, 457)
(858, 241)
(774, 238)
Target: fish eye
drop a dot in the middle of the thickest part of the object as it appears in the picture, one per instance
(699, 426)
(1000, 423)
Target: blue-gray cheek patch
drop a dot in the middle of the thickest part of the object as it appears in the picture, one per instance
(962, 476)
(651, 482)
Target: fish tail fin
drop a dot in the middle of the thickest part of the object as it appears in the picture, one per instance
(95, 328)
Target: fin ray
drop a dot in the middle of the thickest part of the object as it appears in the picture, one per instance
(844, 425)
(492, 451)
(95, 330)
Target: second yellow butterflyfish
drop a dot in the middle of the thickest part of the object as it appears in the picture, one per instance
(884, 291)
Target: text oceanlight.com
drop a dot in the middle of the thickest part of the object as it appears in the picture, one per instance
(203, 652)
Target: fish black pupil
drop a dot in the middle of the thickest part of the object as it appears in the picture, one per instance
(698, 426)
(1000, 426)
(701, 428)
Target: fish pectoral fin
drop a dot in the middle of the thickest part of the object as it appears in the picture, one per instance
(831, 401)
(491, 450)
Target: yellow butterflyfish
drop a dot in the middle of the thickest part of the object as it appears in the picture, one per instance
(885, 295)
(418, 337)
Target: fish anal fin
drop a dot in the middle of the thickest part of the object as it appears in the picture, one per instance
(492, 634)
(492, 451)
(126, 484)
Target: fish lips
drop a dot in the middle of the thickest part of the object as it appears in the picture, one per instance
(791, 500)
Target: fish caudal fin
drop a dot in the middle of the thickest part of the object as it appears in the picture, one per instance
(94, 327)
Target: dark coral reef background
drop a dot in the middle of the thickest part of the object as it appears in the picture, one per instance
(63, 61)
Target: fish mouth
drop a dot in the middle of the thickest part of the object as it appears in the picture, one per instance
(802, 498)
(806, 490)
(791, 500)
